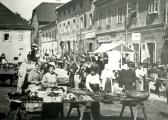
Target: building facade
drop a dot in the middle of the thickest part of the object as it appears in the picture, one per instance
(42, 15)
(14, 35)
(75, 32)
(140, 24)
(48, 38)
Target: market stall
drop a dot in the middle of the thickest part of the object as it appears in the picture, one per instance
(34, 101)
(116, 49)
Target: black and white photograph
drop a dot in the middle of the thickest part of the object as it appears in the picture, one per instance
(83, 59)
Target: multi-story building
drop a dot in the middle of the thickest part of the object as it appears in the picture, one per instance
(48, 38)
(14, 35)
(140, 24)
(42, 15)
(75, 26)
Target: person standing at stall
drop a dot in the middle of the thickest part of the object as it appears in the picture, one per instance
(22, 75)
(107, 77)
(35, 76)
(130, 78)
(140, 74)
(51, 110)
(93, 84)
(72, 71)
(50, 77)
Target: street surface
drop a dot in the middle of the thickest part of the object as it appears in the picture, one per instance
(156, 108)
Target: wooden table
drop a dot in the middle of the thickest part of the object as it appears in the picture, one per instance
(130, 102)
(7, 73)
(126, 102)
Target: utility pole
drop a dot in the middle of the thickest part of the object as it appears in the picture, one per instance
(126, 23)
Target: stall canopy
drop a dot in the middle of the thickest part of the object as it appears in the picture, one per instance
(113, 46)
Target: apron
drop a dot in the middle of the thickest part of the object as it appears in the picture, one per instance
(95, 105)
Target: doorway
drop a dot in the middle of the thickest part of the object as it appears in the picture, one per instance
(152, 51)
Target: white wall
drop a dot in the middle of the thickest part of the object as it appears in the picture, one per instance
(11, 47)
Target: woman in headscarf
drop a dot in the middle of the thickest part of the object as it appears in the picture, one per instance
(107, 76)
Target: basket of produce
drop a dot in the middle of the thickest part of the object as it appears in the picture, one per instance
(140, 95)
(33, 106)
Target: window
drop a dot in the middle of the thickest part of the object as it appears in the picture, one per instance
(74, 24)
(50, 35)
(69, 11)
(81, 4)
(46, 36)
(21, 37)
(109, 16)
(68, 26)
(85, 20)
(100, 20)
(6, 36)
(64, 28)
(90, 19)
(90, 47)
(43, 38)
(154, 6)
(64, 12)
(74, 8)
(81, 22)
(55, 34)
(119, 14)
(20, 48)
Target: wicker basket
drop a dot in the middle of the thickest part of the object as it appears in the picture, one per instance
(33, 107)
(111, 97)
(141, 95)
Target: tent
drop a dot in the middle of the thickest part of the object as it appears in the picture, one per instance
(116, 47)
(113, 46)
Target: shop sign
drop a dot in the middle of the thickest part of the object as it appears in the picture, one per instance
(90, 35)
(136, 37)
(104, 39)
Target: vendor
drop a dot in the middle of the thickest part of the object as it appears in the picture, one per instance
(93, 81)
(3, 60)
(35, 76)
(50, 78)
(93, 84)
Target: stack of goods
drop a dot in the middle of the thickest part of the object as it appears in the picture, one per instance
(78, 91)
(32, 101)
(24, 97)
(77, 98)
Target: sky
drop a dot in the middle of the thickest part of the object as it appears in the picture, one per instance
(25, 7)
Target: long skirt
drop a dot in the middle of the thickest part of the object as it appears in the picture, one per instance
(108, 85)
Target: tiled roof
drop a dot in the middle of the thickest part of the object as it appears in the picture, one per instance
(45, 12)
(10, 20)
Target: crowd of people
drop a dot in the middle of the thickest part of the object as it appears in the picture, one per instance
(94, 71)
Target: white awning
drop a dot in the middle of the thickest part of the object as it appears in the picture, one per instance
(118, 46)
